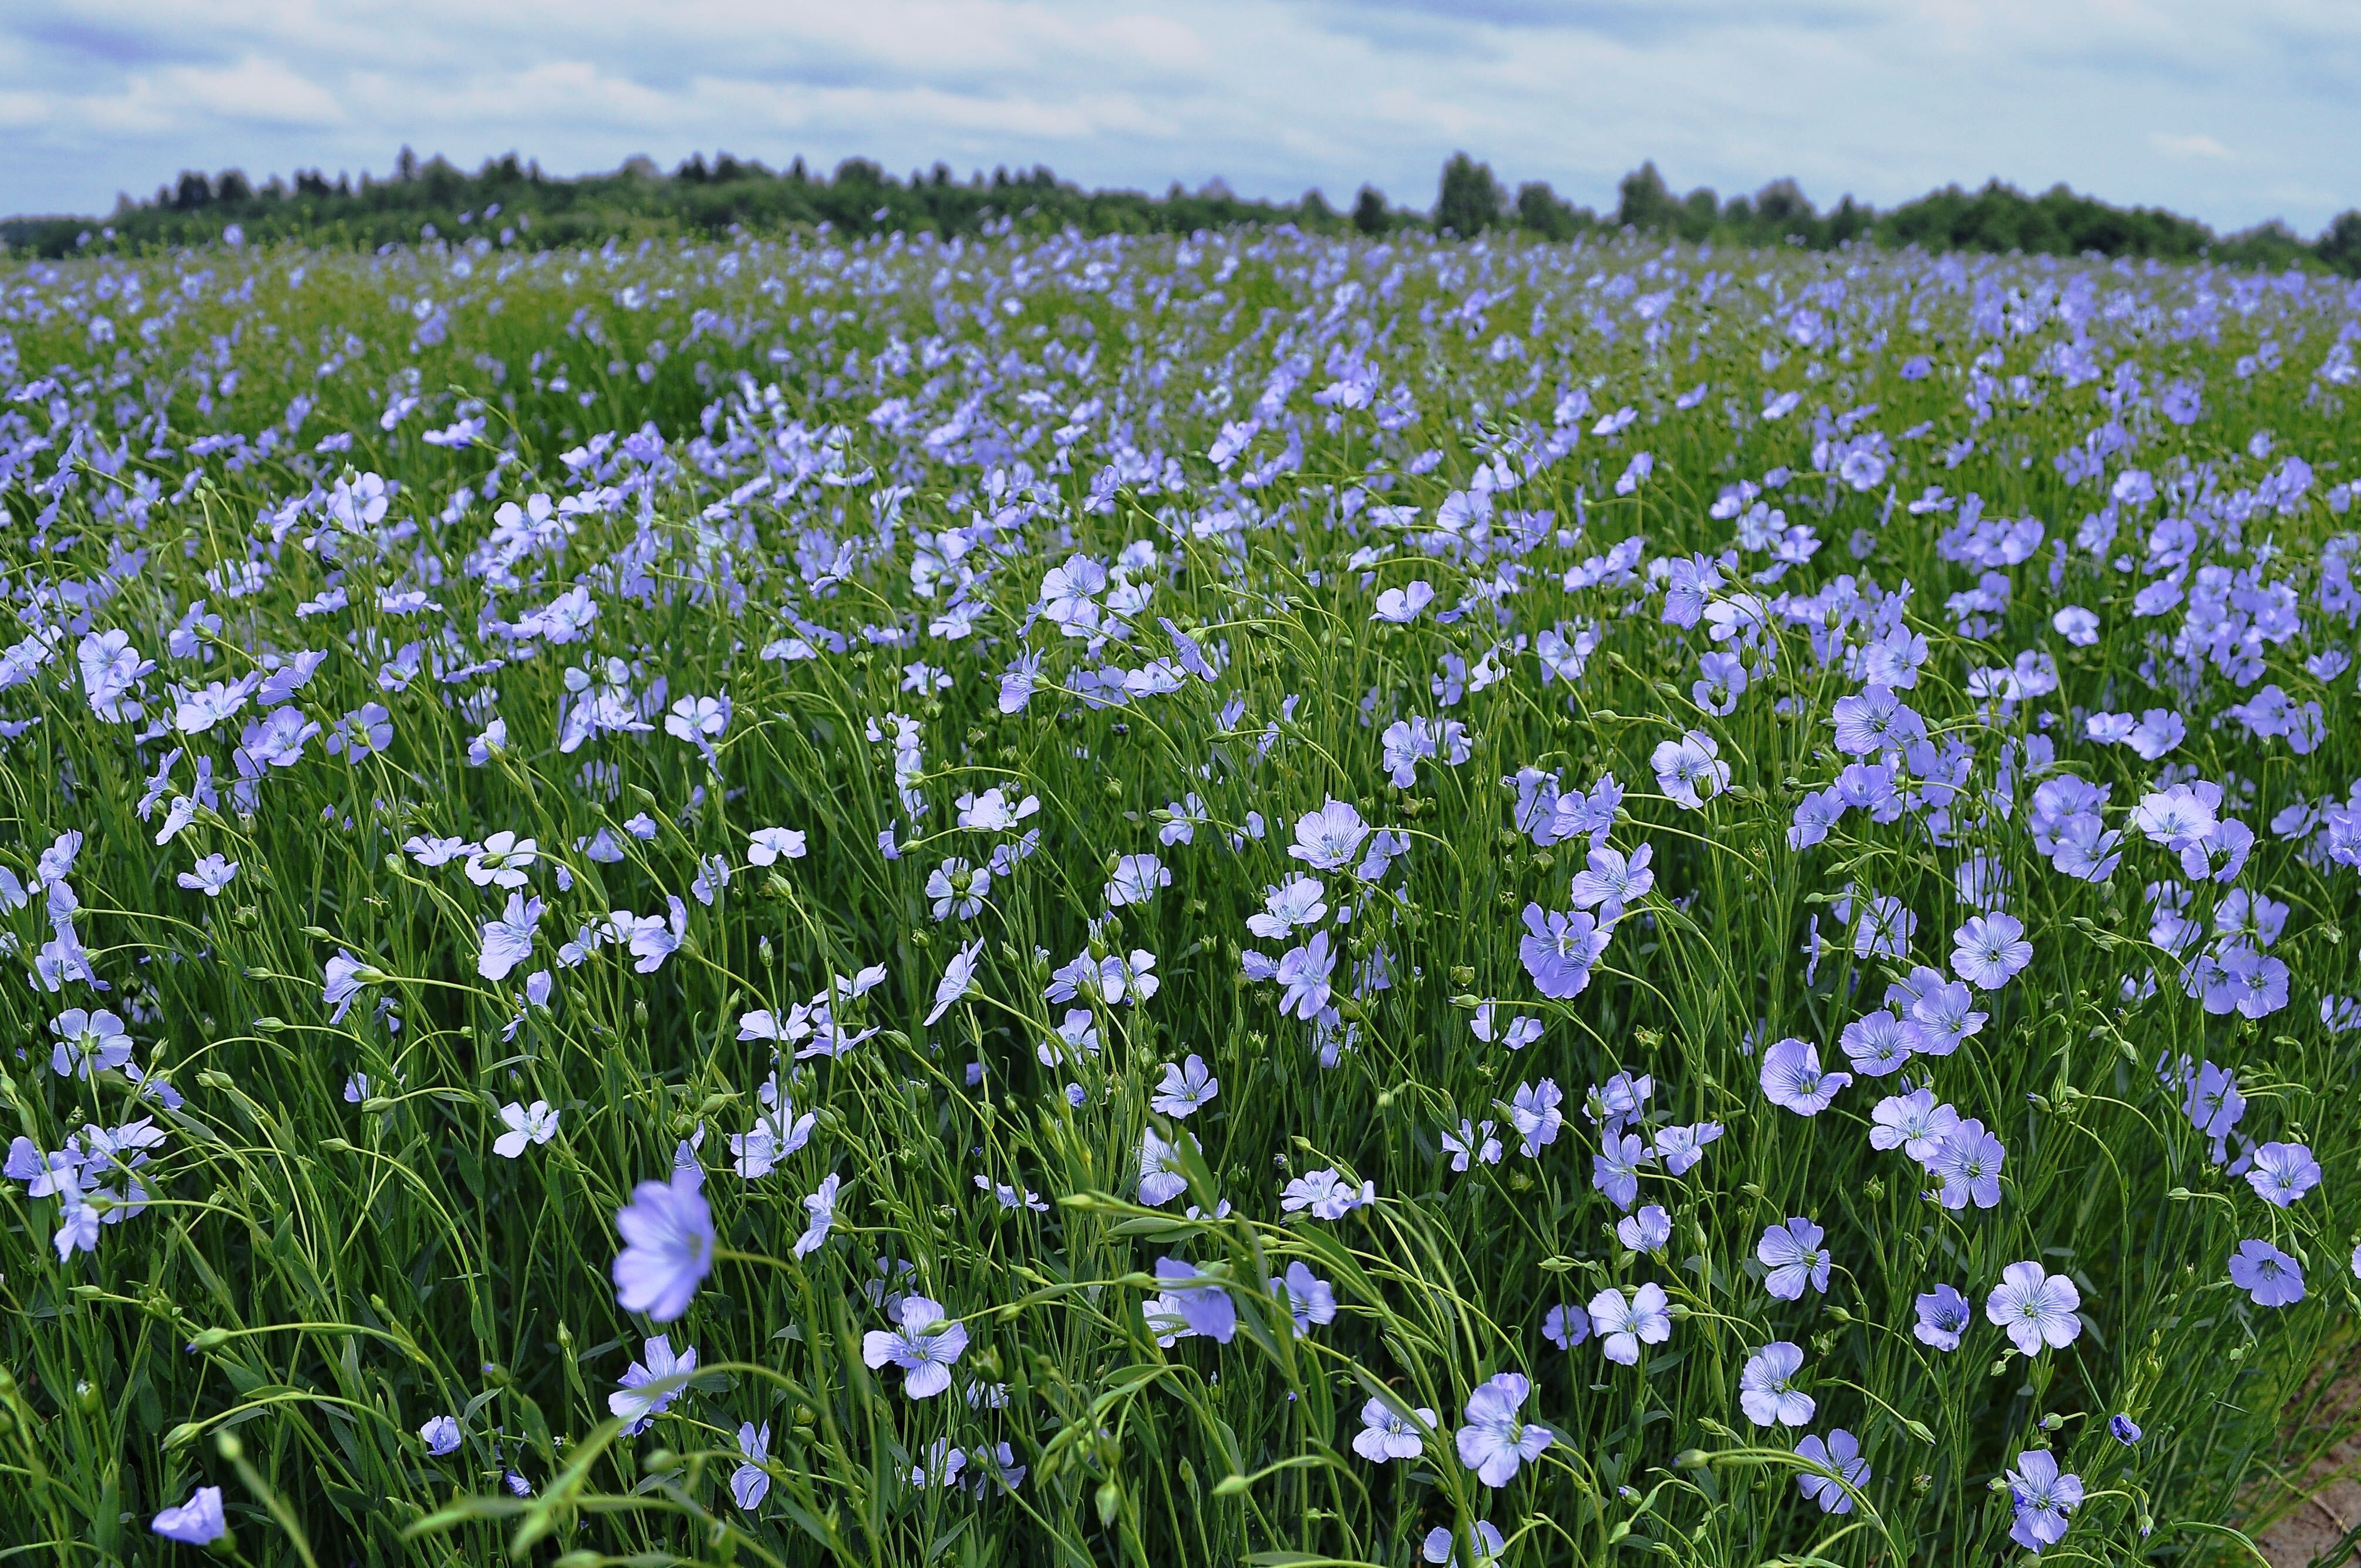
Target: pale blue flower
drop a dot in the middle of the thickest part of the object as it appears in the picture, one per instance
(197, 1522)
(208, 875)
(667, 1234)
(2036, 1309)
(1841, 1454)
(820, 1208)
(1623, 1324)
(2282, 1173)
(2267, 1273)
(507, 941)
(1497, 1440)
(959, 979)
(1792, 1255)
(923, 1344)
(652, 1383)
(1649, 1229)
(1385, 1433)
(749, 1483)
(2042, 1496)
(536, 1124)
(1943, 1317)
(1767, 1388)
(1187, 1087)
(1792, 1077)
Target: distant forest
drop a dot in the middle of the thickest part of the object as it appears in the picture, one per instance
(515, 203)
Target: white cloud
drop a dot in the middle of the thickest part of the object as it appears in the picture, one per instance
(2190, 146)
(1881, 98)
(261, 91)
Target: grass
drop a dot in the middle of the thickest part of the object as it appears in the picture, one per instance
(840, 442)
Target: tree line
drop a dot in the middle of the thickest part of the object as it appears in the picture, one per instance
(516, 203)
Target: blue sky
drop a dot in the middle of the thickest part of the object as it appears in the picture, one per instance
(2231, 112)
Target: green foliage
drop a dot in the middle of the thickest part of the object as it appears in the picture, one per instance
(1545, 215)
(518, 203)
(1642, 202)
(2340, 246)
(1470, 201)
(730, 195)
(321, 1268)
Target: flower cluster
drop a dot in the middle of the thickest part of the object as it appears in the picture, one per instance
(1010, 897)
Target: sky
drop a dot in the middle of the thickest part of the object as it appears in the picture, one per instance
(2230, 110)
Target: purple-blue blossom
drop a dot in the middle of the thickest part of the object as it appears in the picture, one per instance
(1766, 1387)
(2036, 1309)
(667, 1232)
(1496, 1440)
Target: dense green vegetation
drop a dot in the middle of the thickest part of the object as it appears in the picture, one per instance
(516, 202)
(1554, 903)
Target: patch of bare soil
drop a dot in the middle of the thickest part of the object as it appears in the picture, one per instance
(2324, 1532)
